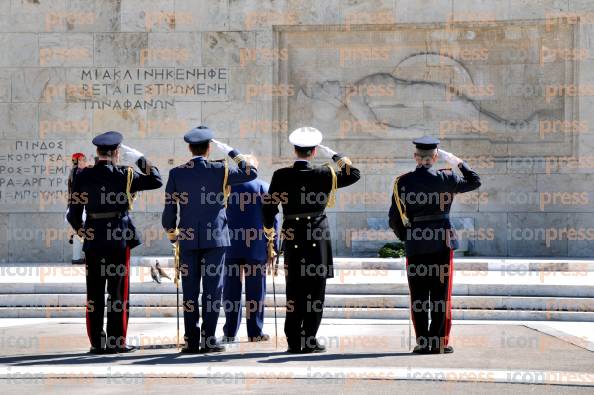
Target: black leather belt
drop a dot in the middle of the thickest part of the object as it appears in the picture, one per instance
(303, 215)
(435, 217)
(107, 215)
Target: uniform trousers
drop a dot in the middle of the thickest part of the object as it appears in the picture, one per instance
(306, 293)
(111, 267)
(202, 266)
(430, 283)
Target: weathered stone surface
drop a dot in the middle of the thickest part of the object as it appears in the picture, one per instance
(224, 48)
(148, 15)
(537, 234)
(202, 15)
(119, 49)
(63, 50)
(20, 120)
(4, 241)
(290, 63)
(37, 237)
(173, 49)
(19, 50)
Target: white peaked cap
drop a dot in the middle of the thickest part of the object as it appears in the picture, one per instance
(305, 137)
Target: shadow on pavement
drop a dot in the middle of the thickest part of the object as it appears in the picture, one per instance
(142, 358)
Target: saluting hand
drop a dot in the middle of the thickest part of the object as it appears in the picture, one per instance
(450, 158)
(129, 154)
(326, 151)
(270, 268)
(222, 146)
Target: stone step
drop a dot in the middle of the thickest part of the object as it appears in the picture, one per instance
(341, 301)
(333, 287)
(339, 313)
(460, 263)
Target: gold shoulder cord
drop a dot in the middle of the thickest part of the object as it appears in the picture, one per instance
(399, 204)
(131, 196)
(332, 196)
(226, 188)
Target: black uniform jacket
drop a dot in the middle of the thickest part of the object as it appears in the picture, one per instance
(102, 189)
(426, 197)
(304, 189)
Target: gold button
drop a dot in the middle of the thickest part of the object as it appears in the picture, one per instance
(295, 245)
(308, 217)
(297, 218)
(314, 244)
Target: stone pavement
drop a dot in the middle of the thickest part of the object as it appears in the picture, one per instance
(364, 356)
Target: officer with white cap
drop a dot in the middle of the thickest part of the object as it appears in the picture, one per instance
(305, 190)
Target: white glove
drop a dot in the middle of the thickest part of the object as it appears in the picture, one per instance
(326, 151)
(130, 155)
(450, 158)
(222, 146)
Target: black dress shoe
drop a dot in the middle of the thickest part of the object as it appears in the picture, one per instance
(212, 349)
(262, 338)
(444, 350)
(78, 261)
(190, 350)
(125, 349)
(229, 339)
(97, 351)
(317, 349)
(421, 350)
(293, 350)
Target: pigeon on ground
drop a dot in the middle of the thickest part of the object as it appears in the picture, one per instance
(162, 272)
(155, 275)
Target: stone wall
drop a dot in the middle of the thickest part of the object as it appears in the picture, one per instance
(507, 85)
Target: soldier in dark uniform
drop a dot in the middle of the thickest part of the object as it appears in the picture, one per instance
(106, 191)
(198, 190)
(304, 190)
(419, 215)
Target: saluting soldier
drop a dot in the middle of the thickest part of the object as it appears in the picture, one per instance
(106, 191)
(79, 162)
(419, 215)
(245, 261)
(198, 191)
(305, 190)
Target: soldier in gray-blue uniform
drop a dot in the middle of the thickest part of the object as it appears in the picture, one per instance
(197, 191)
(106, 191)
(419, 215)
(245, 261)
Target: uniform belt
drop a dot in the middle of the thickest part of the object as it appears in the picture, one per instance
(304, 215)
(435, 217)
(106, 215)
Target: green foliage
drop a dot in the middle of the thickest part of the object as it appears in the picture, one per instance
(392, 250)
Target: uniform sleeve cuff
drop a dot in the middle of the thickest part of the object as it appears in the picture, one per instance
(172, 234)
(233, 153)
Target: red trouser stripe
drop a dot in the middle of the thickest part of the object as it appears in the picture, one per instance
(125, 297)
(448, 318)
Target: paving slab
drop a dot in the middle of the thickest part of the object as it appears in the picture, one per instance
(503, 356)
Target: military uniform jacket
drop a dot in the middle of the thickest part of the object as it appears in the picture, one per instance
(426, 196)
(244, 212)
(195, 191)
(102, 189)
(302, 189)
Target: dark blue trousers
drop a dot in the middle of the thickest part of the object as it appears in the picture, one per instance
(204, 265)
(254, 274)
